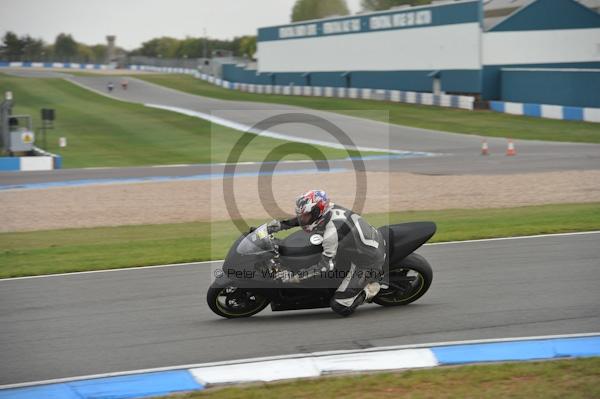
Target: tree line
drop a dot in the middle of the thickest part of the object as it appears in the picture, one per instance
(66, 49)
(196, 47)
(314, 9)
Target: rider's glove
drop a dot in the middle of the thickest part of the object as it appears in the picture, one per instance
(273, 226)
(287, 276)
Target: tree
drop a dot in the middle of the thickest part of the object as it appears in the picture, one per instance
(314, 9)
(248, 46)
(12, 46)
(190, 47)
(24, 48)
(32, 48)
(84, 53)
(163, 47)
(100, 53)
(379, 5)
(65, 47)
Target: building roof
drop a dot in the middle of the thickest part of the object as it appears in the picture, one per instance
(546, 15)
(495, 11)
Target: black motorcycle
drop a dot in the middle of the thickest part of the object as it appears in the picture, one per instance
(246, 283)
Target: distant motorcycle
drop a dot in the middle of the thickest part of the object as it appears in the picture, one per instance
(245, 284)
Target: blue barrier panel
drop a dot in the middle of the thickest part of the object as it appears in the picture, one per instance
(573, 113)
(57, 162)
(54, 391)
(578, 347)
(135, 386)
(532, 110)
(10, 163)
(518, 350)
(497, 106)
(26, 64)
(122, 387)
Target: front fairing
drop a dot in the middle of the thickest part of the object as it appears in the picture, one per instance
(256, 242)
(249, 257)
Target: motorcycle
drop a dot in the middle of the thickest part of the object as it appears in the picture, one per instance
(246, 282)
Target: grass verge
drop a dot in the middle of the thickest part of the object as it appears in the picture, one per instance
(481, 122)
(106, 132)
(569, 378)
(70, 250)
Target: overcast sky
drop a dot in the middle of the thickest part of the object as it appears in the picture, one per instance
(136, 21)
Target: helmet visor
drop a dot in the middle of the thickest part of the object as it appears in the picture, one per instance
(307, 218)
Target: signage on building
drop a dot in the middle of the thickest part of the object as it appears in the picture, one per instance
(415, 17)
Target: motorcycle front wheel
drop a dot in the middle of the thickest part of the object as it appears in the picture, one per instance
(232, 302)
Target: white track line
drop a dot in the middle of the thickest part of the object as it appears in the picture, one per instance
(297, 356)
(241, 127)
(515, 238)
(221, 260)
(121, 269)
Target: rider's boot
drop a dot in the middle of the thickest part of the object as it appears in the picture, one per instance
(346, 306)
(371, 291)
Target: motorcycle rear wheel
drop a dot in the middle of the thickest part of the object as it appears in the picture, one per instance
(409, 280)
(233, 302)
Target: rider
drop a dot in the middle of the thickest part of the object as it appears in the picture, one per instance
(342, 231)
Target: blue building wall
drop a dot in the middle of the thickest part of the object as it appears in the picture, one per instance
(453, 81)
(394, 80)
(492, 76)
(325, 79)
(461, 81)
(290, 78)
(235, 73)
(573, 88)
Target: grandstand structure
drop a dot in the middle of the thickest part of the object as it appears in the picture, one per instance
(540, 51)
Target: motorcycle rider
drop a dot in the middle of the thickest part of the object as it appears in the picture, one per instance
(342, 231)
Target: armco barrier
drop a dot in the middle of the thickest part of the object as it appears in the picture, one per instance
(65, 65)
(42, 161)
(29, 163)
(196, 377)
(547, 111)
(464, 102)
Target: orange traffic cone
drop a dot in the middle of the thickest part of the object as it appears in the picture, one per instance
(510, 150)
(485, 150)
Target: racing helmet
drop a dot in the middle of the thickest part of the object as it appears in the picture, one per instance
(310, 208)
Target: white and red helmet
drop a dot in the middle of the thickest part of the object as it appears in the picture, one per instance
(311, 207)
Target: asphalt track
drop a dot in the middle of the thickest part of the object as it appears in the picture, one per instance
(81, 324)
(457, 153)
